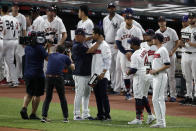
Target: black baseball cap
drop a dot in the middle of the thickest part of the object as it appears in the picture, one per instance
(128, 11)
(129, 16)
(79, 31)
(161, 19)
(15, 4)
(111, 5)
(134, 41)
(52, 8)
(192, 15)
(159, 37)
(149, 32)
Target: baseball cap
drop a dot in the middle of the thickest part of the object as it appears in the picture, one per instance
(35, 9)
(159, 37)
(79, 31)
(128, 11)
(134, 41)
(192, 15)
(185, 18)
(111, 5)
(52, 8)
(149, 32)
(161, 19)
(15, 4)
(128, 16)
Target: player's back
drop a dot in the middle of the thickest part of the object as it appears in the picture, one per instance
(11, 27)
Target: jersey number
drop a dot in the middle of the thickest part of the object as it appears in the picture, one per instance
(9, 24)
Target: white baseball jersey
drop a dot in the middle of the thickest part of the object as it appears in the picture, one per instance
(124, 34)
(87, 26)
(1, 28)
(134, 23)
(102, 60)
(111, 27)
(170, 36)
(161, 57)
(151, 50)
(193, 40)
(11, 27)
(138, 59)
(52, 27)
(22, 21)
(36, 26)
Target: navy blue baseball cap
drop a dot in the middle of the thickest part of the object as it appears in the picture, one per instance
(129, 16)
(149, 32)
(128, 11)
(185, 18)
(79, 31)
(161, 19)
(159, 37)
(134, 41)
(111, 5)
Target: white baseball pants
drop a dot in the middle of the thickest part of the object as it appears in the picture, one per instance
(138, 85)
(148, 79)
(158, 99)
(82, 94)
(9, 46)
(188, 64)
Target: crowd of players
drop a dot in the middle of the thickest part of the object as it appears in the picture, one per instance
(132, 51)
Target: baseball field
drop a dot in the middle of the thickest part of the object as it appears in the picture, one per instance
(179, 118)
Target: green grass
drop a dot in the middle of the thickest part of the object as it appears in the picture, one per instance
(9, 117)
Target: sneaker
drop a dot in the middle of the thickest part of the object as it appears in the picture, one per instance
(45, 120)
(78, 118)
(108, 118)
(21, 81)
(89, 118)
(128, 97)
(65, 120)
(158, 126)
(135, 122)
(24, 114)
(3, 82)
(99, 118)
(186, 101)
(151, 119)
(34, 117)
(172, 99)
(194, 102)
(13, 85)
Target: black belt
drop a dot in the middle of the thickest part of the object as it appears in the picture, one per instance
(187, 52)
(110, 43)
(53, 76)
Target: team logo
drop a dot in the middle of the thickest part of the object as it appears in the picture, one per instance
(115, 25)
(166, 39)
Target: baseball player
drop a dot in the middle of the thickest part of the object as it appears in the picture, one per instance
(148, 79)
(123, 34)
(130, 11)
(19, 52)
(1, 50)
(171, 44)
(160, 64)
(54, 28)
(85, 23)
(138, 70)
(10, 40)
(188, 61)
(111, 23)
(37, 19)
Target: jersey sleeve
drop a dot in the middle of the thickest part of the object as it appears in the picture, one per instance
(118, 35)
(139, 34)
(134, 62)
(106, 54)
(24, 23)
(175, 36)
(62, 26)
(89, 28)
(165, 56)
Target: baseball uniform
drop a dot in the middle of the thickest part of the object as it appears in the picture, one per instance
(36, 26)
(56, 27)
(148, 63)
(170, 37)
(87, 26)
(110, 28)
(123, 34)
(10, 40)
(188, 62)
(19, 52)
(1, 49)
(161, 57)
(136, 24)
